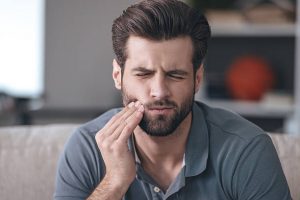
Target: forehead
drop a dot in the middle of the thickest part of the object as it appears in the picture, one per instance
(142, 52)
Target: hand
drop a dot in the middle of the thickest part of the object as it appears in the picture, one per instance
(112, 141)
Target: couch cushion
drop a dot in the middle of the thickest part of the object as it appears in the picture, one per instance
(28, 158)
(288, 149)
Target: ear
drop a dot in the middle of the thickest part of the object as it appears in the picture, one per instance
(198, 78)
(117, 74)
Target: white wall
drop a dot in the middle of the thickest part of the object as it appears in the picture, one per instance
(79, 53)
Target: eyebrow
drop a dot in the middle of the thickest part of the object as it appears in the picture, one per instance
(141, 69)
(178, 71)
(175, 71)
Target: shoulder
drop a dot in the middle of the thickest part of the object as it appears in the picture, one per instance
(242, 155)
(82, 141)
(82, 145)
(227, 124)
(232, 137)
(88, 130)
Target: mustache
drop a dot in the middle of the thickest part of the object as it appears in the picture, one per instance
(160, 103)
(152, 104)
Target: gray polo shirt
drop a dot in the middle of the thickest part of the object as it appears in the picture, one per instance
(226, 157)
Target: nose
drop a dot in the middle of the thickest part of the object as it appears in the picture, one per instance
(159, 88)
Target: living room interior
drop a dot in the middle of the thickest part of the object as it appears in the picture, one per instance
(56, 65)
(68, 78)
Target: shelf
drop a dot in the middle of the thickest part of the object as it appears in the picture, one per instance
(264, 30)
(253, 30)
(253, 109)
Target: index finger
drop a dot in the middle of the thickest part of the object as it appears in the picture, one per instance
(117, 119)
(131, 123)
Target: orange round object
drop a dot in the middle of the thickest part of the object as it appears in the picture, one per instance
(249, 78)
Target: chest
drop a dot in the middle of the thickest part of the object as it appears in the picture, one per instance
(198, 187)
(164, 177)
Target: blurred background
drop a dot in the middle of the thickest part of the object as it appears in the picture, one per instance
(56, 55)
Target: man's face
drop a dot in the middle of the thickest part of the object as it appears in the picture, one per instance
(160, 75)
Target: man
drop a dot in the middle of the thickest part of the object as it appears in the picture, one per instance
(163, 144)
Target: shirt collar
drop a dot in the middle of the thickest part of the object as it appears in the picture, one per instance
(196, 153)
(136, 157)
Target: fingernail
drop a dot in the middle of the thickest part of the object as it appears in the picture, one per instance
(141, 108)
(137, 104)
(131, 104)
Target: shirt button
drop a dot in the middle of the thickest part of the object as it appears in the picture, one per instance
(156, 189)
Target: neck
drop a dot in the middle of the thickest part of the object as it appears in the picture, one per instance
(158, 151)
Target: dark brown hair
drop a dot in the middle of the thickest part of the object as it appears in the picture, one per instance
(161, 20)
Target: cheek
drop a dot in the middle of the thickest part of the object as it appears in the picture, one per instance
(183, 93)
(135, 90)
(182, 89)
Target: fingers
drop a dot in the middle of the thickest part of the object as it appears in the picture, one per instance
(122, 123)
(131, 124)
(114, 121)
(118, 119)
(128, 122)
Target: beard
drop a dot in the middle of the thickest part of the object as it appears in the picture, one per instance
(162, 125)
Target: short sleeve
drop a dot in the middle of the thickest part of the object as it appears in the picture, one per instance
(258, 174)
(80, 167)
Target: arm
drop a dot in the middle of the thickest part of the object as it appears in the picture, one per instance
(119, 162)
(85, 161)
(106, 191)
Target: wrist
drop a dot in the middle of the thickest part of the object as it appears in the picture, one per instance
(115, 186)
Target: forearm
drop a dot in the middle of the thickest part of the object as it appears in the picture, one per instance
(119, 162)
(107, 190)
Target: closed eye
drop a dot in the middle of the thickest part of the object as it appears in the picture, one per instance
(177, 74)
(142, 72)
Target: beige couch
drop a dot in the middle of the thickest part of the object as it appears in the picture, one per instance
(28, 158)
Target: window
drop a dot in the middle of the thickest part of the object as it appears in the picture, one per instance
(22, 48)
